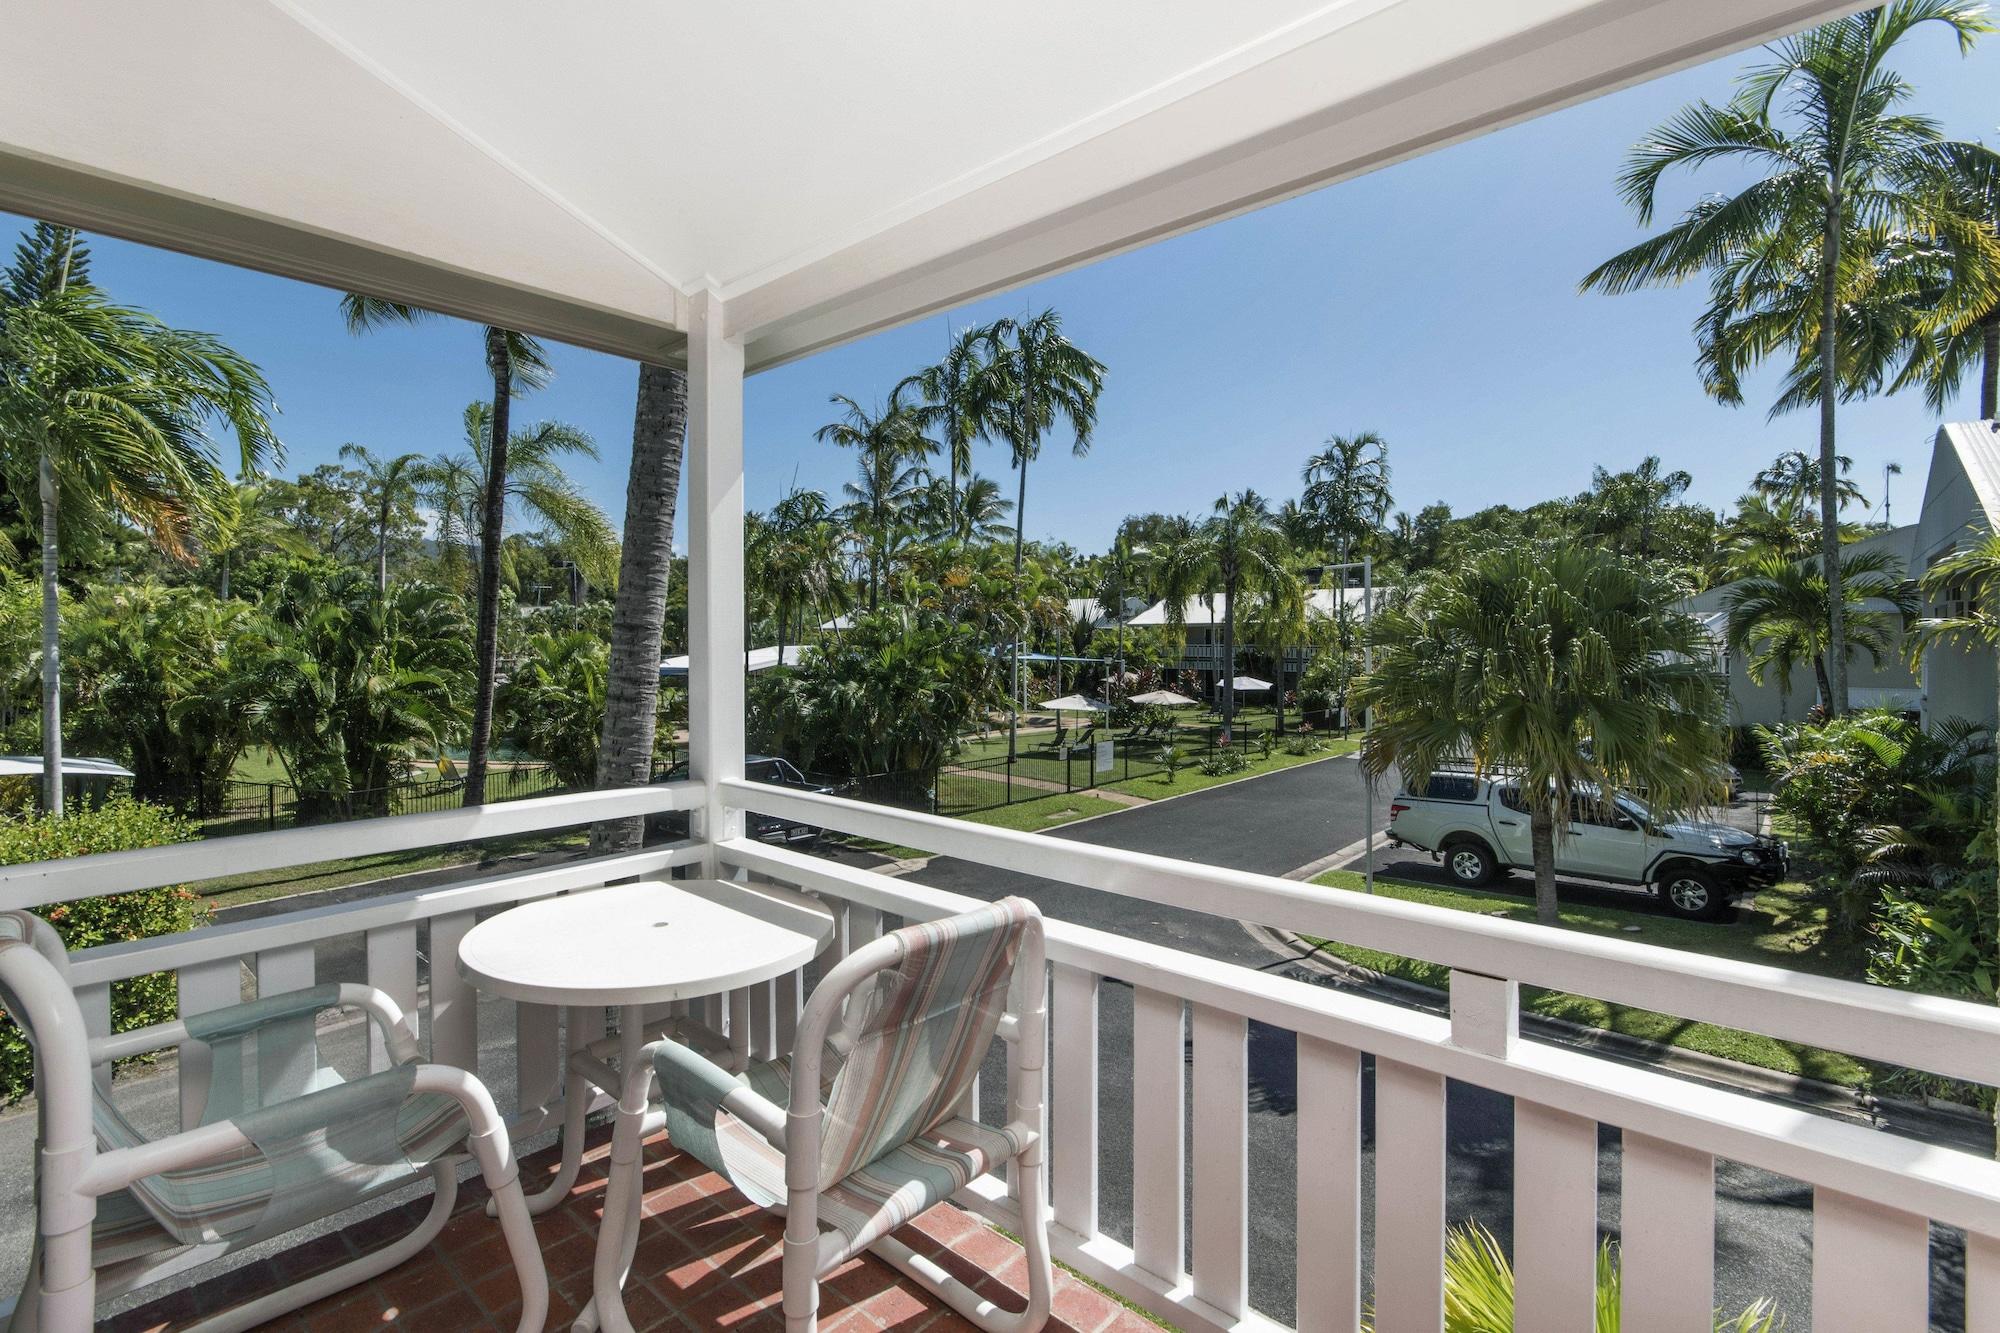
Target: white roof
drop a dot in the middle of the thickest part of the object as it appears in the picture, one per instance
(1199, 611)
(30, 765)
(757, 659)
(823, 170)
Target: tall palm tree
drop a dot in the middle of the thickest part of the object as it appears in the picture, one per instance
(387, 484)
(451, 484)
(958, 399)
(1564, 663)
(1239, 549)
(115, 408)
(516, 362)
(1794, 475)
(891, 447)
(538, 488)
(1967, 341)
(1632, 500)
(1044, 380)
(1777, 615)
(639, 608)
(1277, 621)
(1347, 490)
(1119, 575)
(1792, 254)
(247, 517)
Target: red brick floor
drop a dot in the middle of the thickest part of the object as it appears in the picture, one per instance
(707, 1260)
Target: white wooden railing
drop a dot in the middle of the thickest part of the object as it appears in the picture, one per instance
(1874, 1194)
(1187, 1257)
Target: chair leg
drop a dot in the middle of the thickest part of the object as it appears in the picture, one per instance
(801, 1286)
(356, 1271)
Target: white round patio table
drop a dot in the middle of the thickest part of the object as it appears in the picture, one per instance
(630, 946)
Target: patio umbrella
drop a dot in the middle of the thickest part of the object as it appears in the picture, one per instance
(1249, 684)
(1163, 699)
(1073, 703)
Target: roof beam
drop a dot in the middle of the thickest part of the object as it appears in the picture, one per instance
(1464, 70)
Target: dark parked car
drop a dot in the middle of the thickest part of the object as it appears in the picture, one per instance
(672, 824)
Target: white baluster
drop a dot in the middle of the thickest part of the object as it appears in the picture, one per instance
(454, 1019)
(1555, 1218)
(1073, 1120)
(1409, 1199)
(1159, 1131)
(1871, 1266)
(1221, 1200)
(203, 987)
(1329, 1185)
(392, 969)
(1666, 1224)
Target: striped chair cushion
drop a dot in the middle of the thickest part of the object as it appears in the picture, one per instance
(232, 1199)
(916, 1034)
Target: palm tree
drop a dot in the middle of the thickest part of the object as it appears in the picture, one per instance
(451, 484)
(516, 362)
(114, 407)
(1277, 621)
(1630, 501)
(247, 517)
(387, 485)
(1777, 615)
(638, 609)
(1119, 573)
(958, 398)
(1794, 475)
(538, 487)
(1566, 664)
(1944, 351)
(1792, 256)
(1043, 379)
(1239, 549)
(891, 448)
(1347, 490)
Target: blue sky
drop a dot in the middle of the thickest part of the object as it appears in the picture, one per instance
(1434, 301)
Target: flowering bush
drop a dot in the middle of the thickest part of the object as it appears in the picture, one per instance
(120, 824)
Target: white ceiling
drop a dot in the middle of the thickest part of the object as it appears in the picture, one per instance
(825, 168)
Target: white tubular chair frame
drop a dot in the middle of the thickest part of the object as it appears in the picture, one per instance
(73, 1173)
(795, 1130)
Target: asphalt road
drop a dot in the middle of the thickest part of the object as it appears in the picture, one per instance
(1273, 825)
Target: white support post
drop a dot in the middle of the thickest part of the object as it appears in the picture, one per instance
(715, 565)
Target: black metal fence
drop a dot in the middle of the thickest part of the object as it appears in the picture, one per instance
(255, 806)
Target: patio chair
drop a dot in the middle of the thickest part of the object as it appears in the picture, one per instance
(866, 1124)
(281, 1142)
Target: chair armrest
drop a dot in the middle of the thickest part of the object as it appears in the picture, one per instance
(238, 1020)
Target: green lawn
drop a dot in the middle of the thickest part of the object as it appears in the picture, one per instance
(1782, 929)
(1155, 786)
(259, 885)
(1049, 811)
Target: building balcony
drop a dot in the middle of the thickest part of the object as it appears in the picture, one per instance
(1325, 1168)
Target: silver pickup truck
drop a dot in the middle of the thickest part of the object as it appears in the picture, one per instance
(1478, 827)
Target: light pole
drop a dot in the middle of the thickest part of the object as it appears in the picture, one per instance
(1367, 567)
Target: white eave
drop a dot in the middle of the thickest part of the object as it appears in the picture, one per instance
(827, 170)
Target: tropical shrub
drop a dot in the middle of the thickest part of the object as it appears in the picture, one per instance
(552, 706)
(1223, 759)
(120, 824)
(1479, 1290)
(1880, 802)
(351, 685)
(890, 695)
(149, 674)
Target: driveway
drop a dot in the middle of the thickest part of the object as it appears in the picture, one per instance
(1279, 823)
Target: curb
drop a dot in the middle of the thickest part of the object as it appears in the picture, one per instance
(1965, 1127)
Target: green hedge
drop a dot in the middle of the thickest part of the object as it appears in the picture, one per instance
(120, 824)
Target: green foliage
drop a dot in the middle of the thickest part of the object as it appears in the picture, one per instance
(350, 686)
(151, 681)
(553, 704)
(1479, 1290)
(890, 695)
(1223, 759)
(120, 824)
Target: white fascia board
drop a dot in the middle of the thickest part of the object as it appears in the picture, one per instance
(1398, 80)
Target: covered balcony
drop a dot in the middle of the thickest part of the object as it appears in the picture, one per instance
(1231, 1147)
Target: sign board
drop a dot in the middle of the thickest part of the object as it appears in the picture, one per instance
(1104, 756)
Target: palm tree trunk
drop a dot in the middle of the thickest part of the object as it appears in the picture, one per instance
(1825, 682)
(222, 587)
(1989, 368)
(1829, 463)
(1542, 838)
(52, 790)
(381, 546)
(645, 567)
(486, 637)
(1229, 659)
(52, 737)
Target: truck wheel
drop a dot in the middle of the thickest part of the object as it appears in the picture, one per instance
(1693, 894)
(1470, 864)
